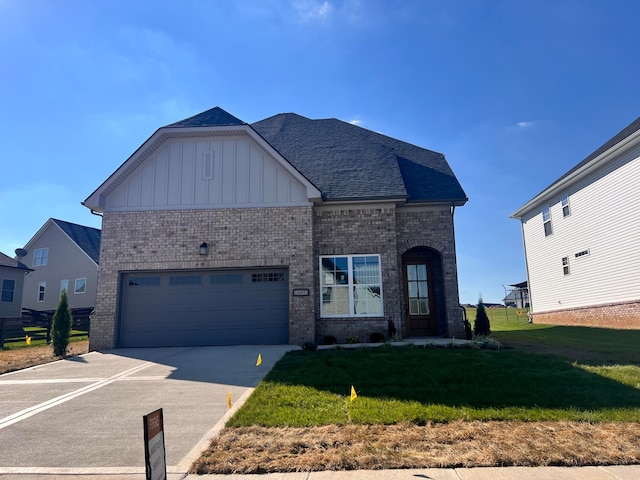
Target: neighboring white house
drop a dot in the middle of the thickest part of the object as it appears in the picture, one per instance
(582, 240)
(63, 256)
(517, 295)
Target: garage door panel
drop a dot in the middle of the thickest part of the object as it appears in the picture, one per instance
(204, 308)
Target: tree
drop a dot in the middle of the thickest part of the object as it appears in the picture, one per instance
(481, 326)
(61, 326)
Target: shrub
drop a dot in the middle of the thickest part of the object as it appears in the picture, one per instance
(376, 337)
(353, 339)
(329, 340)
(309, 346)
(61, 326)
(482, 326)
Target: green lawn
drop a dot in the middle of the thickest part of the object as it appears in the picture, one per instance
(536, 378)
(38, 338)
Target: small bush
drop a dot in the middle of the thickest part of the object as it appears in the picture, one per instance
(309, 346)
(482, 326)
(61, 326)
(329, 340)
(376, 337)
(353, 339)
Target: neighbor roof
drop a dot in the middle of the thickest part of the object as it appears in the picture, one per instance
(8, 262)
(347, 162)
(87, 238)
(588, 163)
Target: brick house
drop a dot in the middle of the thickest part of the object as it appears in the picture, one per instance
(581, 237)
(287, 230)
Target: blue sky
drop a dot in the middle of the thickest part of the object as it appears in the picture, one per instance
(513, 92)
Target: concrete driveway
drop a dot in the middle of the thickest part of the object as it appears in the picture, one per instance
(83, 415)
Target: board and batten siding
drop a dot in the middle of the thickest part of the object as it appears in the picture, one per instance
(207, 173)
(605, 221)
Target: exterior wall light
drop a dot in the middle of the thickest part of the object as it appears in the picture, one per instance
(204, 248)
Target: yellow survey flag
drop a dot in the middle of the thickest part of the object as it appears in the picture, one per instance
(354, 395)
(28, 339)
(259, 362)
(229, 400)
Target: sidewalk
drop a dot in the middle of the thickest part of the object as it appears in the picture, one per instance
(615, 472)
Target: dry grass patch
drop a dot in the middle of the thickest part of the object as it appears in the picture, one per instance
(438, 445)
(17, 359)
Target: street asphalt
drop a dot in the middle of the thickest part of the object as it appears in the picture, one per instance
(83, 418)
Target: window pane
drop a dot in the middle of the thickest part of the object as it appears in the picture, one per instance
(367, 300)
(41, 289)
(413, 307)
(411, 272)
(81, 285)
(366, 270)
(422, 272)
(423, 289)
(413, 289)
(335, 271)
(8, 287)
(424, 307)
(335, 301)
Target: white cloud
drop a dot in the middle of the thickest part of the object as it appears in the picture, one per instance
(309, 10)
(525, 124)
(355, 122)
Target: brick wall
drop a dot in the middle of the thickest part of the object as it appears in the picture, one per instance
(237, 238)
(615, 315)
(390, 232)
(433, 228)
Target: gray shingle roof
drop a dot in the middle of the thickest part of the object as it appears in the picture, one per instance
(87, 238)
(349, 162)
(8, 262)
(214, 117)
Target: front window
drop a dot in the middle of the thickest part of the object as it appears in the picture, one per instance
(8, 288)
(64, 286)
(42, 287)
(351, 286)
(81, 285)
(546, 219)
(40, 257)
(566, 211)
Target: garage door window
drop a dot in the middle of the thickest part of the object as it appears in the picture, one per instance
(267, 277)
(226, 279)
(144, 281)
(185, 280)
(351, 286)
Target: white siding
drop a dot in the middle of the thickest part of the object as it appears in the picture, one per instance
(176, 176)
(605, 220)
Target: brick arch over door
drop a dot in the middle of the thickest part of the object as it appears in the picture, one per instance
(423, 283)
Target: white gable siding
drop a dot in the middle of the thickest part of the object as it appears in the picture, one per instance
(605, 220)
(207, 173)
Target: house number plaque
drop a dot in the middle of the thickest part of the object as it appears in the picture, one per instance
(301, 292)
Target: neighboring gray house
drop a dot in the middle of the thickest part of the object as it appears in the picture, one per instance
(62, 255)
(581, 240)
(12, 274)
(287, 230)
(517, 296)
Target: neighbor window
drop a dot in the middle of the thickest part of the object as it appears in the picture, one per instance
(8, 288)
(546, 218)
(81, 285)
(566, 211)
(40, 257)
(42, 286)
(351, 286)
(565, 265)
(64, 286)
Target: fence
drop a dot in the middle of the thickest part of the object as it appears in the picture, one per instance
(12, 330)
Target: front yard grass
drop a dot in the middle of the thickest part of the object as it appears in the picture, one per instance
(552, 396)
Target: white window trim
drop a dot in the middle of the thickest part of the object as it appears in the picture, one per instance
(37, 259)
(547, 210)
(75, 286)
(349, 286)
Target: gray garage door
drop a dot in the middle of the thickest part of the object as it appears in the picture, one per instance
(204, 308)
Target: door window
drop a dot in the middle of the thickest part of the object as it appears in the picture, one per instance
(418, 289)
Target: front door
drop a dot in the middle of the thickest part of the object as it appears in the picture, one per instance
(419, 299)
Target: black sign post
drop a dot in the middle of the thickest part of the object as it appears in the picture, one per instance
(154, 454)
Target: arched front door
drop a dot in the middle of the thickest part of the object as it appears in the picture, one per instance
(422, 272)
